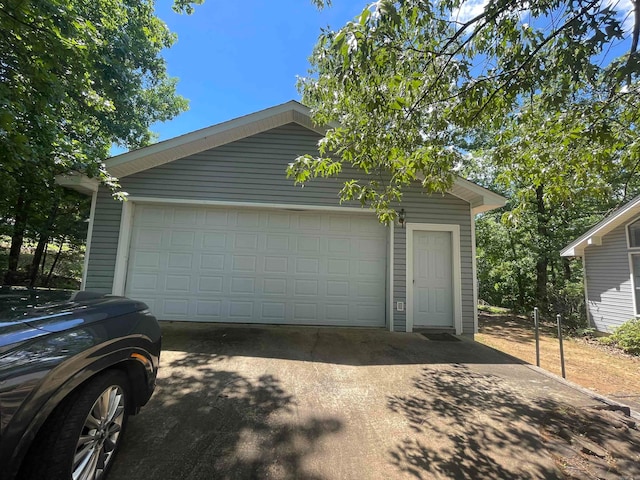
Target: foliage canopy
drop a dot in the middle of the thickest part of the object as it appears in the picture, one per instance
(76, 77)
(413, 88)
(538, 100)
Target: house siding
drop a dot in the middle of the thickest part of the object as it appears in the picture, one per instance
(441, 209)
(608, 278)
(253, 170)
(104, 242)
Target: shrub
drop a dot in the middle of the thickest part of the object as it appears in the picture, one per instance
(626, 337)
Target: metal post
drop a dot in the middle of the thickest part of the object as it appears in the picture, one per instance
(559, 320)
(536, 322)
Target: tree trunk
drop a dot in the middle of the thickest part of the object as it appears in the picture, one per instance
(542, 262)
(566, 268)
(17, 239)
(43, 240)
(44, 261)
(55, 261)
(519, 277)
(37, 257)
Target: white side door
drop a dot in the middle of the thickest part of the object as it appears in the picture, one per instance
(434, 277)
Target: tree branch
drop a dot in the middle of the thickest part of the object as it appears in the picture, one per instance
(533, 54)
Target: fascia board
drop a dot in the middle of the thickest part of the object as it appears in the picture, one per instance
(220, 134)
(627, 212)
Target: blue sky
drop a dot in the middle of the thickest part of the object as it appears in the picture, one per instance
(234, 58)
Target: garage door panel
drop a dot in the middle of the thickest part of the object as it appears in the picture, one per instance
(244, 263)
(243, 285)
(207, 284)
(247, 219)
(309, 222)
(275, 264)
(278, 221)
(149, 237)
(185, 216)
(152, 215)
(247, 241)
(216, 218)
(213, 262)
(307, 265)
(337, 288)
(306, 287)
(338, 313)
(145, 259)
(242, 310)
(144, 281)
(214, 240)
(274, 286)
(274, 311)
(209, 309)
(258, 266)
(339, 223)
(308, 245)
(179, 261)
(277, 243)
(178, 307)
(178, 283)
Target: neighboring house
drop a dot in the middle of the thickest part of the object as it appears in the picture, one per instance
(213, 231)
(610, 254)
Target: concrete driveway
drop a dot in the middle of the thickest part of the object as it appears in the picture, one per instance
(321, 403)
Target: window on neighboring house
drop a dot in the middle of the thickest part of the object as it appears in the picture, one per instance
(635, 265)
(634, 234)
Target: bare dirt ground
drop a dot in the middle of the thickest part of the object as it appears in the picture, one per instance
(588, 363)
(582, 447)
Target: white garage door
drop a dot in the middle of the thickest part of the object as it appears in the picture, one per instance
(258, 265)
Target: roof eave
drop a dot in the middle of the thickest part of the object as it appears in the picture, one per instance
(481, 199)
(214, 136)
(594, 235)
(78, 182)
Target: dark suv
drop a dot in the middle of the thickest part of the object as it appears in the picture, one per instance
(71, 373)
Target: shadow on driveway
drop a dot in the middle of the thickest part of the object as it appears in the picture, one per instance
(472, 425)
(345, 346)
(320, 404)
(205, 422)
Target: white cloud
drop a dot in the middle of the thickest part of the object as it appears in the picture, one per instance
(470, 9)
(625, 12)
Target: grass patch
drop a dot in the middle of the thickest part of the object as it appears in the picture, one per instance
(494, 310)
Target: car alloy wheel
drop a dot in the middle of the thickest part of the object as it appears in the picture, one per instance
(100, 435)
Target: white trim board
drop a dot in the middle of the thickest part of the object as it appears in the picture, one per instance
(122, 253)
(87, 250)
(595, 234)
(456, 270)
(474, 272)
(628, 236)
(633, 285)
(390, 263)
(182, 146)
(220, 203)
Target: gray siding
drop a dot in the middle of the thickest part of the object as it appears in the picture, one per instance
(609, 291)
(436, 208)
(253, 170)
(104, 242)
(399, 278)
(249, 170)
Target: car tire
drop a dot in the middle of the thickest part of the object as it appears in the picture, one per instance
(81, 437)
